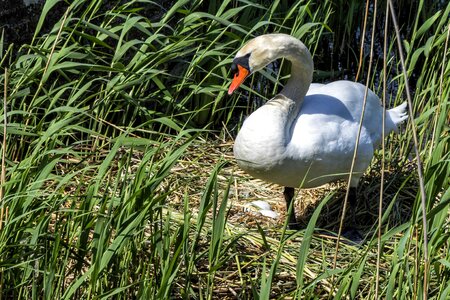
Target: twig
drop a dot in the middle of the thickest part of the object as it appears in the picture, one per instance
(341, 224)
(416, 150)
(383, 150)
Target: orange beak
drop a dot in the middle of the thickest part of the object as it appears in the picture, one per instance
(238, 79)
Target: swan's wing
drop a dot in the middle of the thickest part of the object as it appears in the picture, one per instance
(345, 99)
(328, 122)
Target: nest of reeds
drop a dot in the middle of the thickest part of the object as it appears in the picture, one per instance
(193, 170)
(260, 236)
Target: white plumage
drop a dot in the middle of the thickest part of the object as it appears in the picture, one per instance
(305, 136)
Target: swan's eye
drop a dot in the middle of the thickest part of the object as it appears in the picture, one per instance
(242, 61)
(234, 69)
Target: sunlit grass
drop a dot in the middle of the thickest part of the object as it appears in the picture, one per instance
(120, 181)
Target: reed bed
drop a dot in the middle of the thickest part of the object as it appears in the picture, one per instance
(118, 179)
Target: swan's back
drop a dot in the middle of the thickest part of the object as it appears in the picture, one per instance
(324, 134)
(340, 104)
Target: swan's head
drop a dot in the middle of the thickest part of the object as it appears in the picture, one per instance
(253, 56)
(260, 51)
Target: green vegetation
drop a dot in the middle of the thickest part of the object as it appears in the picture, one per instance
(118, 176)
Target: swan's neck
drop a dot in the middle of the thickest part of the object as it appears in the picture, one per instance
(262, 142)
(298, 83)
(301, 74)
(290, 99)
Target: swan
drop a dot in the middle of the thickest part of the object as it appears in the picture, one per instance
(305, 136)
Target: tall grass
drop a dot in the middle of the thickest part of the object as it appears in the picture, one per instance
(116, 185)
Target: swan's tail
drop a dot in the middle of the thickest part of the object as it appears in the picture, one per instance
(395, 116)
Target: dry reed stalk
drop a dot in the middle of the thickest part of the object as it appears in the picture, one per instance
(52, 51)
(383, 150)
(441, 87)
(363, 34)
(417, 152)
(3, 211)
(3, 174)
(341, 224)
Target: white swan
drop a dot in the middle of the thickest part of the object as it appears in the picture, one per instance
(305, 138)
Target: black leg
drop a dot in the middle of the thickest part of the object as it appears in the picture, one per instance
(350, 232)
(288, 197)
(352, 201)
(352, 196)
